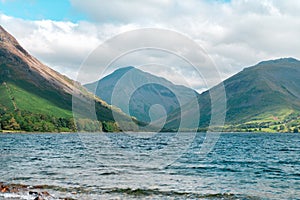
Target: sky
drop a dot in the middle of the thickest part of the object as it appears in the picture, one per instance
(234, 34)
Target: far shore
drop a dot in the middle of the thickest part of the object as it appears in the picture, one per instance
(25, 132)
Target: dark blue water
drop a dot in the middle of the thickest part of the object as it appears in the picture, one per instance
(97, 166)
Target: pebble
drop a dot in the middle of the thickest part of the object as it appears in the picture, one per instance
(18, 188)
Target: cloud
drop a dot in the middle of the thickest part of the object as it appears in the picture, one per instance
(116, 11)
(61, 45)
(235, 34)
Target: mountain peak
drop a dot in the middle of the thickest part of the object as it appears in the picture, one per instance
(280, 60)
(5, 37)
(43, 95)
(124, 69)
(143, 90)
(8, 41)
(13, 54)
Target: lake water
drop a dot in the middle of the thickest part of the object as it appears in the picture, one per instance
(98, 166)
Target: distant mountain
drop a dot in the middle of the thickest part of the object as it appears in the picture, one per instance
(34, 97)
(265, 97)
(267, 88)
(136, 91)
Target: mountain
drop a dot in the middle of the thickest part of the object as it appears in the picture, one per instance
(136, 92)
(267, 88)
(264, 97)
(34, 97)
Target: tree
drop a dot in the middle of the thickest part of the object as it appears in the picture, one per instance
(12, 125)
(296, 130)
(110, 127)
(281, 127)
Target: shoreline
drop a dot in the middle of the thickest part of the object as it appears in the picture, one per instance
(225, 132)
(25, 132)
(37, 192)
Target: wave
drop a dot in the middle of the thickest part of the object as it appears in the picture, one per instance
(19, 191)
(181, 195)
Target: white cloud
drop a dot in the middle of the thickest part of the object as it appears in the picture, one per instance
(61, 45)
(115, 11)
(235, 34)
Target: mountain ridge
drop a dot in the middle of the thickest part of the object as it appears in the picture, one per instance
(147, 89)
(34, 97)
(264, 97)
(269, 89)
(11, 44)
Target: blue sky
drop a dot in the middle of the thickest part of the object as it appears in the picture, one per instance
(57, 10)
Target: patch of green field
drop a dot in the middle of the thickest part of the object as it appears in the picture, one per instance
(5, 100)
(278, 115)
(268, 130)
(31, 102)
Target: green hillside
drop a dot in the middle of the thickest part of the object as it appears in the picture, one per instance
(34, 97)
(265, 97)
(21, 99)
(20, 104)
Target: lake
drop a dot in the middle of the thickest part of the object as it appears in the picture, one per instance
(120, 166)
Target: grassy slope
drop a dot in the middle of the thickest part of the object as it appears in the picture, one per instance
(260, 98)
(31, 95)
(5, 100)
(272, 93)
(34, 103)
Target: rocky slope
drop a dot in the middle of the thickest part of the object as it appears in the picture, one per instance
(36, 98)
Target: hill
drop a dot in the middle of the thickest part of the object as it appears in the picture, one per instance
(137, 91)
(264, 97)
(34, 97)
